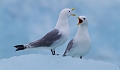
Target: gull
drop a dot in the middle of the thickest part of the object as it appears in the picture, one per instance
(56, 37)
(80, 45)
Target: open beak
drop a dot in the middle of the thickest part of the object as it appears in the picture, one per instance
(79, 21)
(73, 14)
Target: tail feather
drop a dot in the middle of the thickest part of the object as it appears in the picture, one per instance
(19, 47)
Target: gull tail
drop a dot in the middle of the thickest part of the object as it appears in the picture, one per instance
(19, 47)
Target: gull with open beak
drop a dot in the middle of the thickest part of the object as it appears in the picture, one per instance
(80, 45)
(55, 38)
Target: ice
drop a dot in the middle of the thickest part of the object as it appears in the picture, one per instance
(50, 62)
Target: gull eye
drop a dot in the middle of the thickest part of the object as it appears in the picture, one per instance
(69, 11)
(84, 18)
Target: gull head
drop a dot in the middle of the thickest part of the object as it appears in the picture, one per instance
(82, 20)
(67, 12)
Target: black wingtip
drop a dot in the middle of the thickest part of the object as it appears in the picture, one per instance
(19, 47)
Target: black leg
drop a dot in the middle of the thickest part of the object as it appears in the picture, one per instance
(80, 57)
(53, 52)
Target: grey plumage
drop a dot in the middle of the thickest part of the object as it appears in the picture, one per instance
(54, 38)
(80, 45)
(47, 40)
(69, 46)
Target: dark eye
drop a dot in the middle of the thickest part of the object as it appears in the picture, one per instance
(69, 11)
(84, 18)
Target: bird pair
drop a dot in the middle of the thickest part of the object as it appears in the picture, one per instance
(78, 46)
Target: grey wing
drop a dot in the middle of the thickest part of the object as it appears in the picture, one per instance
(48, 39)
(69, 46)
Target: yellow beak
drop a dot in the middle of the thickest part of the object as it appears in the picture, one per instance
(73, 9)
(73, 14)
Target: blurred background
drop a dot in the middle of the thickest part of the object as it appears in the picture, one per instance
(24, 21)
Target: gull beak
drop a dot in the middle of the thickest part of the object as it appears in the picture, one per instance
(73, 9)
(73, 14)
(79, 21)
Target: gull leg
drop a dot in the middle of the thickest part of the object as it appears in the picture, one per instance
(80, 57)
(53, 52)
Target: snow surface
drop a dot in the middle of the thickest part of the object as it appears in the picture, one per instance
(50, 62)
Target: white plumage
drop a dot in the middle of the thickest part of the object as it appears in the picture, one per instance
(55, 38)
(80, 45)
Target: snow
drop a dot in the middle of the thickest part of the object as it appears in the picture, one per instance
(50, 62)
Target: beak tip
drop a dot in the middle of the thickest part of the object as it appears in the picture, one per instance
(73, 9)
(73, 14)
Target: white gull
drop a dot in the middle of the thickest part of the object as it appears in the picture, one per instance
(80, 45)
(55, 38)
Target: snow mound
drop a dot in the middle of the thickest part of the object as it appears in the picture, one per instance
(50, 62)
